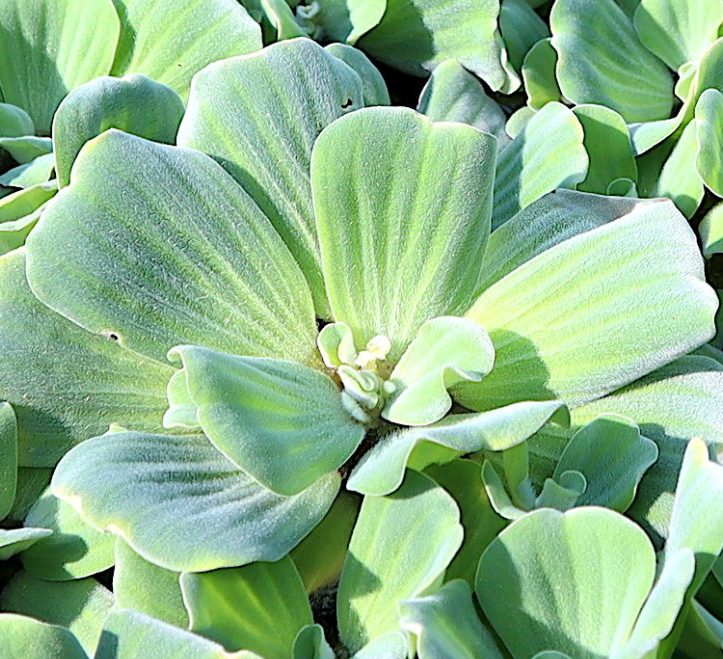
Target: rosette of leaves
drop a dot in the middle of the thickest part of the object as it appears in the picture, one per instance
(73, 68)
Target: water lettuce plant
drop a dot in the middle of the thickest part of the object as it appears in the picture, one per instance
(289, 371)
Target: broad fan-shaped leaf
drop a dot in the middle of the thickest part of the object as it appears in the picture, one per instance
(259, 116)
(417, 35)
(400, 545)
(60, 402)
(49, 48)
(632, 288)
(596, 44)
(188, 508)
(709, 130)
(259, 607)
(281, 422)
(26, 637)
(170, 40)
(402, 207)
(8, 458)
(161, 247)
(134, 104)
(547, 154)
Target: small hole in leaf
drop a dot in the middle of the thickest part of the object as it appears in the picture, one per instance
(112, 336)
(346, 104)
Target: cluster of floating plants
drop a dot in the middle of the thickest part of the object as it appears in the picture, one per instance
(371, 329)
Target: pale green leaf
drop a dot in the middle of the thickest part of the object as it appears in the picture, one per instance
(393, 645)
(26, 148)
(281, 17)
(403, 209)
(8, 458)
(14, 541)
(38, 170)
(75, 384)
(14, 121)
(31, 484)
(189, 508)
(310, 643)
(454, 94)
(446, 625)
(381, 470)
(134, 104)
(500, 500)
(633, 288)
(373, 85)
(538, 73)
(170, 41)
(711, 231)
(141, 217)
(415, 36)
(446, 351)
(259, 607)
(596, 45)
(259, 116)
(148, 588)
(347, 20)
(678, 31)
(521, 28)
(25, 637)
(518, 120)
(282, 423)
(541, 575)
(612, 456)
(74, 550)
(47, 49)
(607, 142)
(81, 606)
(547, 154)
(709, 131)
(419, 526)
(19, 212)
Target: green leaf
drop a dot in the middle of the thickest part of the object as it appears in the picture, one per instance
(521, 29)
(596, 43)
(419, 526)
(402, 207)
(612, 456)
(632, 288)
(446, 351)
(31, 484)
(32, 173)
(81, 606)
(73, 551)
(169, 44)
(547, 154)
(374, 88)
(446, 625)
(279, 14)
(709, 131)
(132, 635)
(347, 20)
(189, 508)
(148, 588)
(607, 142)
(134, 104)
(25, 637)
(454, 94)
(393, 645)
(540, 575)
(310, 643)
(19, 212)
(462, 479)
(543, 224)
(711, 231)
(8, 458)
(14, 121)
(26, 148)
(259, 607)
(282, 423)
(14, 541)
(415, 36)
(238, 114)
(538, 74)
(381, 470)
(62, 401)
(49, 49)
(319, 557)
(678, 31)
(207, 234)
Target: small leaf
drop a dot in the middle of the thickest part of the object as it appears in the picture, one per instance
(39, 170)
(134, 104)
(148, 588)
(419, 526)
(595, 42)
(189, 508)
(347, 20)
(547, 154)
(709, 131)
(27, 637)
(14, 541)
(26, 148)
(81, 606)
(8, 458)
(538, 73)
(19, 213)
(259, 607)
(446, 351)
(73, 551)
(14, 121)
(446, 625)
(711, 231)
(521, 28)
(310, 643)
(373, 85)
(381, 173)
(282, 423)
